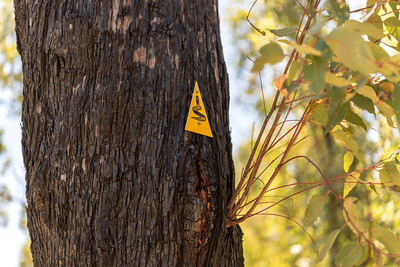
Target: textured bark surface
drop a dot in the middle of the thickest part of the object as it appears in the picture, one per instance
(112, 177)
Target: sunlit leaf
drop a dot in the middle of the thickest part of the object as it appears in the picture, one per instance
(392, 25)
(338, 9)
(387, 86)
(347, 161)
(328, 242)
(348, 141)
(319, 114)
(388, 239)
(389, 174)
(313, 210)
(355, 215)
(350, 255)
(387, 111)
(352, 50)
(378, 52)
(271, 53)
(294, 68)
(364, 28)
(367, 91)
(331, 78)
(394, 5)
(350, 183)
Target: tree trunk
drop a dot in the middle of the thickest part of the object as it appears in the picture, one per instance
(113, 179)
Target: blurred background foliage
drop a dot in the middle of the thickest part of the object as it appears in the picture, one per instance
(272, 240)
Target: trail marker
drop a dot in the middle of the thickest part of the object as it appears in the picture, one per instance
(197, 120)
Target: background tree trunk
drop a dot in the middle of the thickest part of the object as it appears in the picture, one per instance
(112, 177)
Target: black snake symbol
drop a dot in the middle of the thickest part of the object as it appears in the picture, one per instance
(196, 109)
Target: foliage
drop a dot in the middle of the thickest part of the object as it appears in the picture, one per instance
(337, 71)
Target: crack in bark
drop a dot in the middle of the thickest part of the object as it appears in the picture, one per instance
(203, 191)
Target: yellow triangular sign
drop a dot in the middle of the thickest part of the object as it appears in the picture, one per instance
(197, 120)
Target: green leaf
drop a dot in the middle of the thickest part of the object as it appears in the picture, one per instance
(392, 25)
(338, 9)
(352, 50)
(347, 161)
(328, 244)
(378, 52)
(355, 119)
(319, 114)
(389, 174)
(294, 68)
(376, 20)
(387, 111)
(355, 214)
(394, 6)
(271, 53)
(315, 73)
(350, 183)
(364, 29)
(396, 102)
(284, 32)
(336, 117)
(313, 210)
(391, 68)
(367, 91)
(350, 255)
(388, 239)
(363, 103)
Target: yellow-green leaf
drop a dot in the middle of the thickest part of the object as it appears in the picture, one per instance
(350, 183)
(302, 48)
(352, 50)
(350, 255)
(328, 242)
(367, 91)
(319, 114)
(271, 53)
(331, 78)
(378, 52)
(355, 216)
(388, 239)
(392, 25)
(396, 102)
(364, 29)
(313, 210)
(347, 160)
(387, 111)
(292, 74)
(389, 174)
(284, 32)
(348, 141)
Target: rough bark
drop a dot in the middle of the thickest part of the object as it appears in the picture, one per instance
(112, 177)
